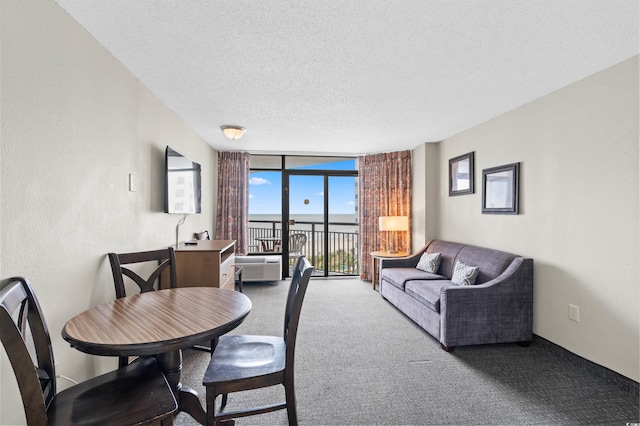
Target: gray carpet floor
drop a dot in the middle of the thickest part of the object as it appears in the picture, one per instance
(359, 361)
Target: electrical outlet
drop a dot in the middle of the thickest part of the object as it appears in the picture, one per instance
(574, 313)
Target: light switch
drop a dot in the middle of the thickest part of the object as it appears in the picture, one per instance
(133, 182)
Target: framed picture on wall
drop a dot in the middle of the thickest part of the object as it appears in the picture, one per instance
(461, 175)
(500, 187)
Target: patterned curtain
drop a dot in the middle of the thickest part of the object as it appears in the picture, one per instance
(385, 190)
(232, 218)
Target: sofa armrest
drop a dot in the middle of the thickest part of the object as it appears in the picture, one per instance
(500, 310)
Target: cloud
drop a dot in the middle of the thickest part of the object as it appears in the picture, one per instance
(251, 196)
(321, 193)
(351, 203)
(258, 181)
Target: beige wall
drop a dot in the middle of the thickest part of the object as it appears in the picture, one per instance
(578, 149)
(75, 124)
(426, 193)
(419, 196)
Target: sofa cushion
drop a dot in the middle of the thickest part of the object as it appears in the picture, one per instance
(427, 292)
(429, 262)
(491, 262)
(464, 274)
(448, 253)
(399, 276)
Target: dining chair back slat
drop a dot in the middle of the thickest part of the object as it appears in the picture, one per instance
(160, 259)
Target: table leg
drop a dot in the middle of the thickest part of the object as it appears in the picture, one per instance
(373, 271)
(238, 278)
(187, 398)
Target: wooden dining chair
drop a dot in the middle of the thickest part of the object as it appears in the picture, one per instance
(159, 260)
(241, 363)
(153, 262)
(296, 245)
(136, 394)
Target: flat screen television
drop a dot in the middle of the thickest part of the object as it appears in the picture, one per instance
(183, 184)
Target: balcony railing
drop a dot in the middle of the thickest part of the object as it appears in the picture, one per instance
(343, 243)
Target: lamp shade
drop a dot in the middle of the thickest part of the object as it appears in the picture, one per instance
(393, 223)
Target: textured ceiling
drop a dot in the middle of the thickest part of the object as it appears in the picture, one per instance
(352, 77)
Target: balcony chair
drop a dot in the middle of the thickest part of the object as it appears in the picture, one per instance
(296, 245)
(241, 363)
(136, 394)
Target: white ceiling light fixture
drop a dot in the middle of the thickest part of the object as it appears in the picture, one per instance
(233, 132)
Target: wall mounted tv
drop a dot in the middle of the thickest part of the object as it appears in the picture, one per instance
(183, 184)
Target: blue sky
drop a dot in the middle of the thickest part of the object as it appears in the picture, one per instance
(265, 192)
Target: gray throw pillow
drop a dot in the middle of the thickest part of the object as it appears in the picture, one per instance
(464, 274)
(429, 262)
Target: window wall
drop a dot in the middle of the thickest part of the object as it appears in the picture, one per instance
(313, 199)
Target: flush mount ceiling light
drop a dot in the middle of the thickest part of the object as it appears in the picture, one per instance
(233, 132)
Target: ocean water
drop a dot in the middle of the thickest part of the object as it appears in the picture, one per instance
(317, 218)
(307, 222)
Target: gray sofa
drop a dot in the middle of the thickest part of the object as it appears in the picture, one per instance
(497, 309)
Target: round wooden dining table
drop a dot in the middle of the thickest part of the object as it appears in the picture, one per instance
(160, 323)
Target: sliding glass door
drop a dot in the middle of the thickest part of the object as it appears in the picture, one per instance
(305, 205)
(304, 215)
(321, 210)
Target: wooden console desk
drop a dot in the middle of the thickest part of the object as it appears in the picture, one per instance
(209, 263)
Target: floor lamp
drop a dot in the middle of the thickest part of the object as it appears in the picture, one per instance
(393, 224)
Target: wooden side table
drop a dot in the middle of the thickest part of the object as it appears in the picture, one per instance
(377, 255)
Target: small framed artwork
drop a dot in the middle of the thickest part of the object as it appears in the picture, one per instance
(461, 175)
(500, 187)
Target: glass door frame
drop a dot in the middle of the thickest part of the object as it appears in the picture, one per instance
(326, 174)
